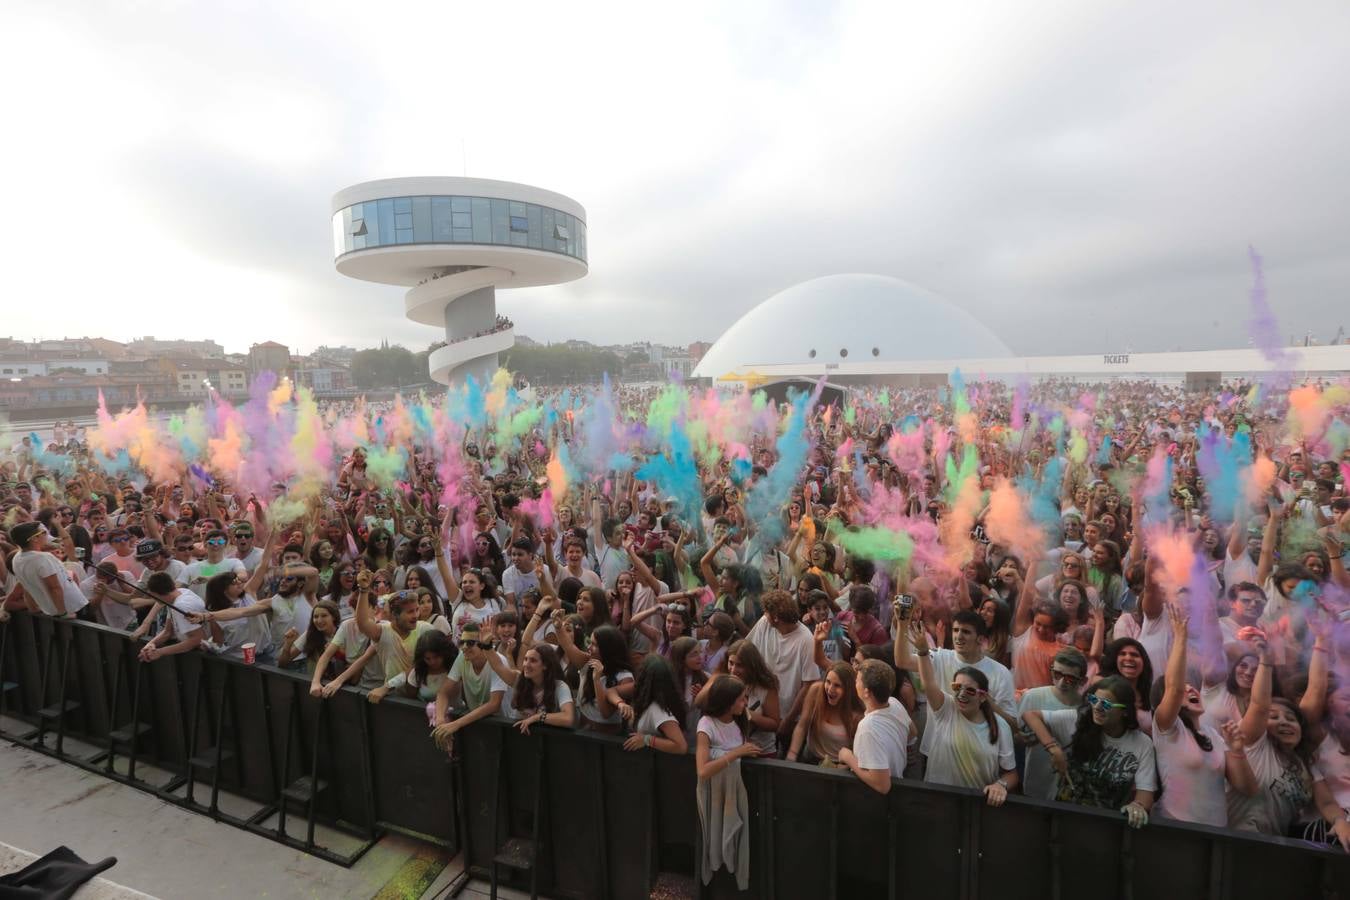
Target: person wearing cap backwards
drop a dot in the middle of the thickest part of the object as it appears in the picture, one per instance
(45, 579)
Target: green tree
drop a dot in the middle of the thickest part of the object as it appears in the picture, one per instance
(388, 366)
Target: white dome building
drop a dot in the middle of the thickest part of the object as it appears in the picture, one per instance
(849, 319)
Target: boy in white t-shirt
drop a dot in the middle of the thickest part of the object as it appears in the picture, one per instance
(183, 607)
(46, 581)
(879, 744)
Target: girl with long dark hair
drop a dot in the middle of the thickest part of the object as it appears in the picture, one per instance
(1109, 762)
(830, 716)
(606, 681)
(1127, 658)
(537, 694)
(657, 711)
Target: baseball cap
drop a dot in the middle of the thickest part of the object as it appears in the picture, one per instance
(148, 548)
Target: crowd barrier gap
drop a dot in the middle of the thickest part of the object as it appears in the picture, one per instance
(572, 814)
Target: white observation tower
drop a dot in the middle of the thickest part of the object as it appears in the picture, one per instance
(452, 242)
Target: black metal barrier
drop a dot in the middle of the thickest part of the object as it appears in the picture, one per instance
(606, 821)
(218, 726)
(610, 820)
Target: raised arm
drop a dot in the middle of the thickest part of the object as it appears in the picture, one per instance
(1314, 702)
(1258, 709)
(365, 620)
(255, 581)
(931, 689)
(1165, 716)
(640, 569)
(799, 730)
(504, 671)
(705, 565)
(1266, 564)
(1237, 535)
(1026, 604)
(447, 577)
(904, 656)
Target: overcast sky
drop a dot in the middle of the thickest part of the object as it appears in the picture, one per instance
(1079, 176)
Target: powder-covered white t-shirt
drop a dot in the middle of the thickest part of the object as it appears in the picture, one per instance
(960, 752)
(1192, 779)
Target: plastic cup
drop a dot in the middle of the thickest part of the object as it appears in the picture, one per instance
(250, 653)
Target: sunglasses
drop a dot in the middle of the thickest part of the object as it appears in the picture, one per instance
(1102, 703)
(965, 690)
(119, 540)
(216, 542)
(486, 645)
(243, 537)
(1065, 677)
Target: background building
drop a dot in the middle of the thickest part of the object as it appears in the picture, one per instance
(270, 356)
(874, 329)
(149, 346)
(452, 242)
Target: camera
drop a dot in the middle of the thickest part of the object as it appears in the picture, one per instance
(904, 604)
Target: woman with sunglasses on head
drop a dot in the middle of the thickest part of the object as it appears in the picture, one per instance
(1109, 763)
(966, 742)
(1196, 763)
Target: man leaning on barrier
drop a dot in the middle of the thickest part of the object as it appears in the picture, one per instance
(183, 606)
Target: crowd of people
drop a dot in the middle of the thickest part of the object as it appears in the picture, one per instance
(502, 324)
(1127, 596)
